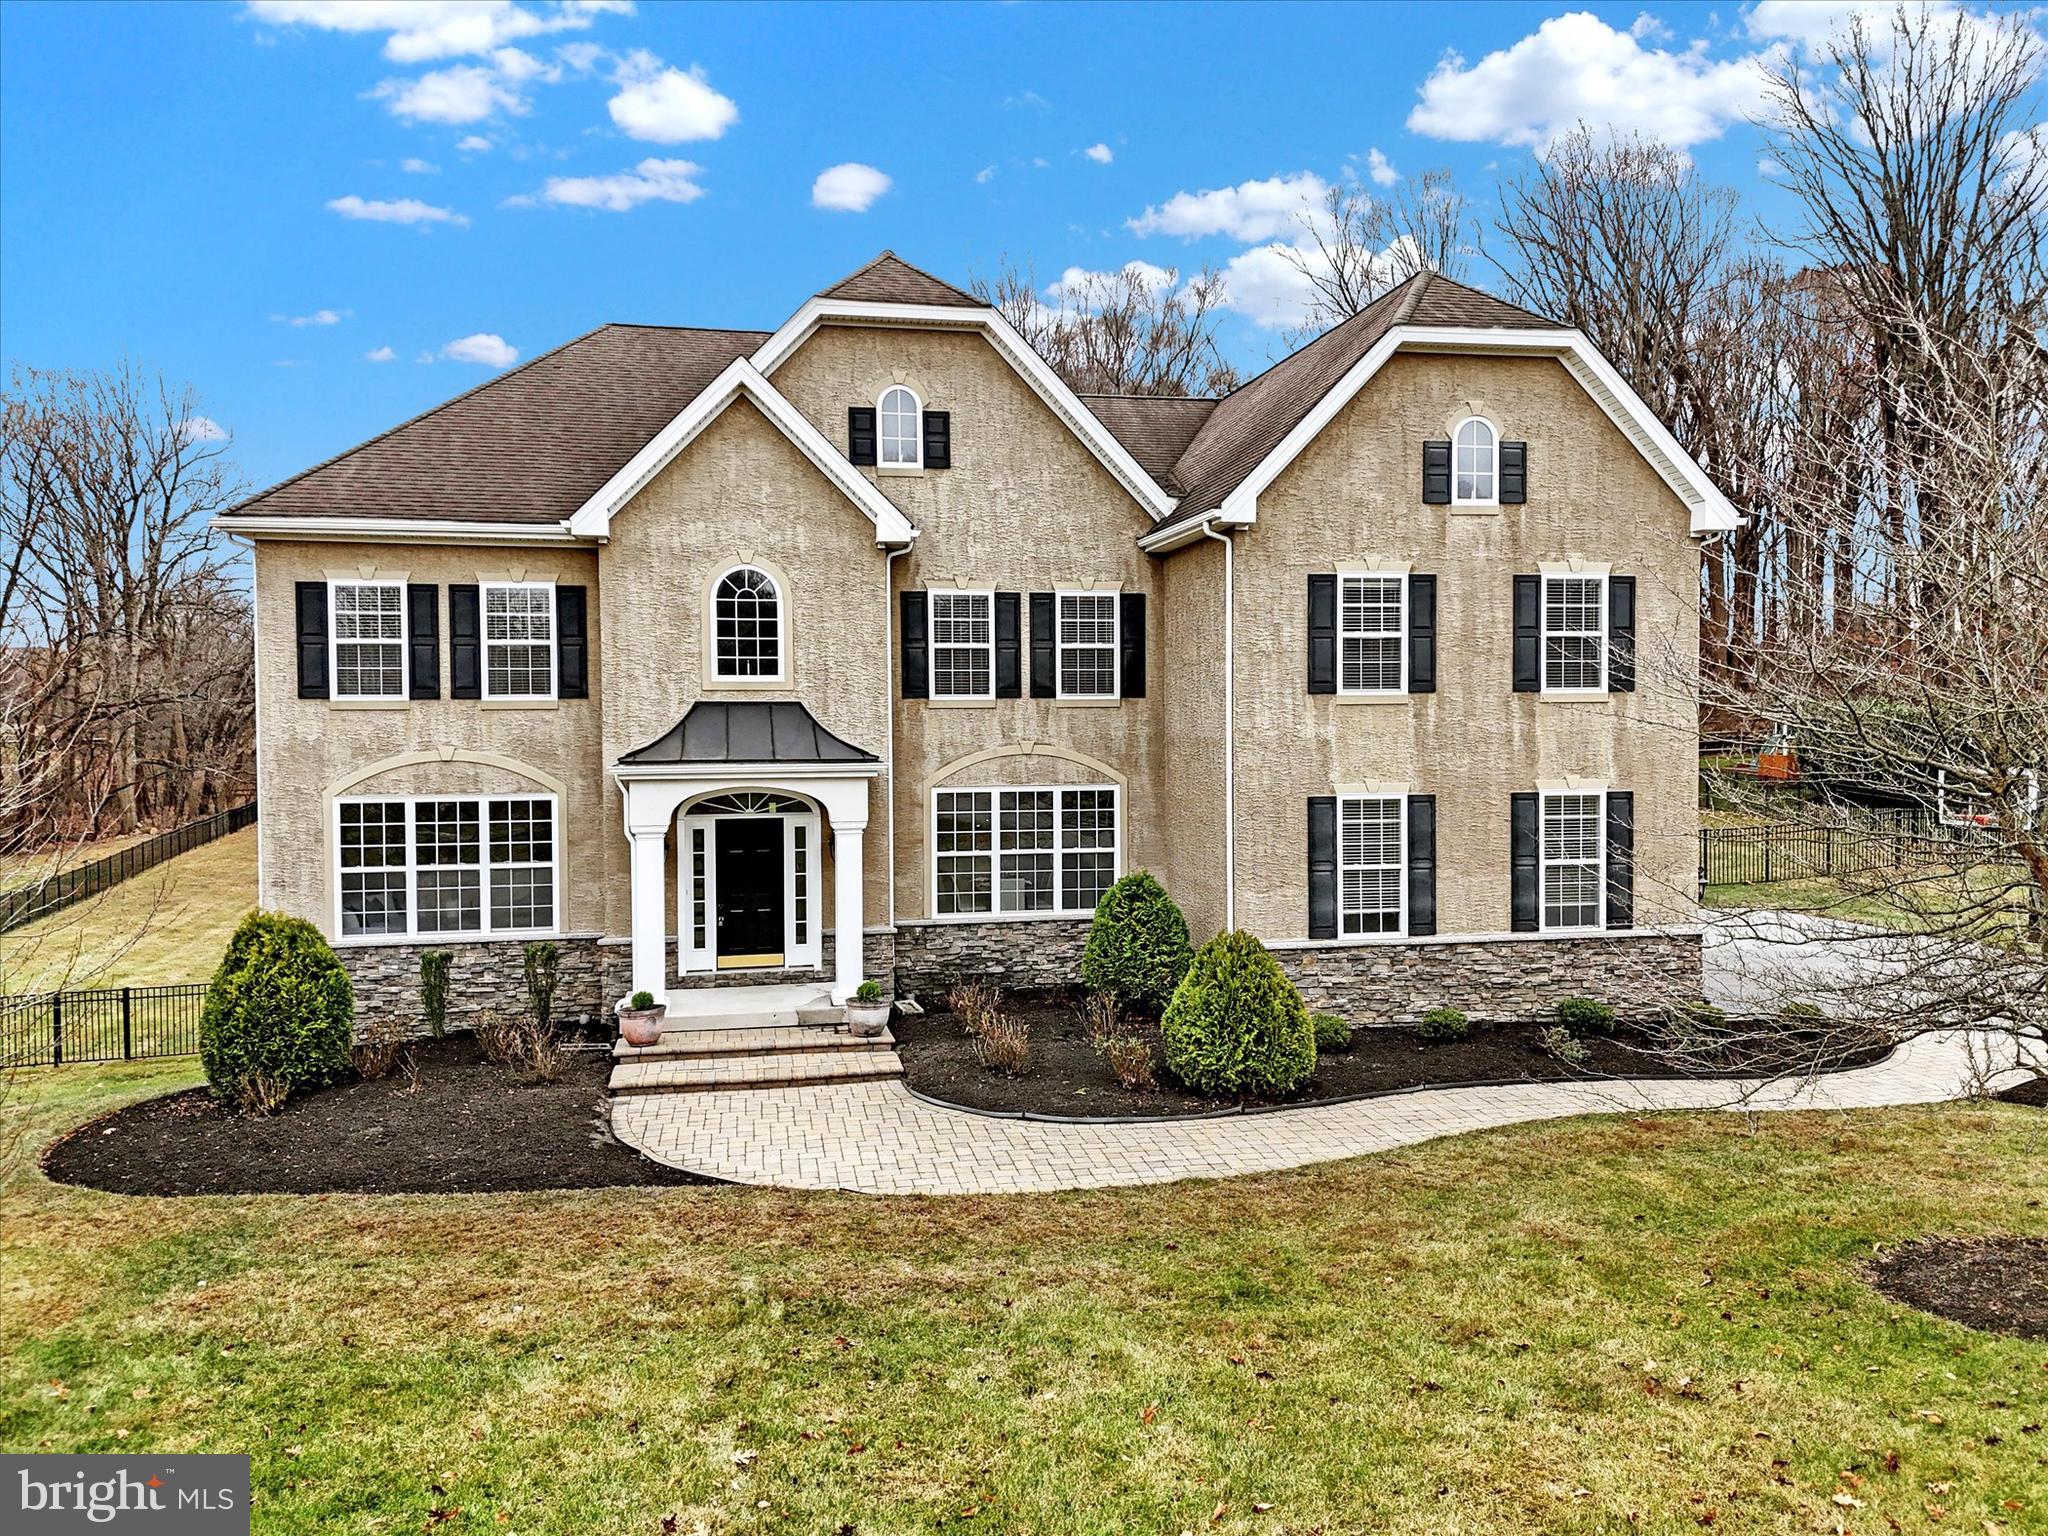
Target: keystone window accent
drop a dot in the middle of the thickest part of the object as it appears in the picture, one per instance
(1474, 447)
(1019, 852)
(1574, 634)
(1574, 860)
(431, 866)
(963, 645)
(367, 632)
(900, 418)
(1370, 865)
(747, 619)
(1088, 645)
(1372, 634)
(519, 640)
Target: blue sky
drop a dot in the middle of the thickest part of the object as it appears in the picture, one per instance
(265, 199)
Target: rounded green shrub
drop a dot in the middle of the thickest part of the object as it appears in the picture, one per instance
(1138, 945)
(1332, 1033)
(279, 1014)
(1444, 1024)
(1583, 1016)
(1236, 1025)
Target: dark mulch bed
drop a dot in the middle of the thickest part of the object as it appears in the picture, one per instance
(1067, 1075)
(2033, 1091)
(1999, 1284)
(473, 1127)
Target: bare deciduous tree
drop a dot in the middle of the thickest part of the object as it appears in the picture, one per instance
(1134, 331)
(1357, 244)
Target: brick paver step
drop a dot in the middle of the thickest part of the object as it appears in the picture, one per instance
(750, 1042)
(785, 1069)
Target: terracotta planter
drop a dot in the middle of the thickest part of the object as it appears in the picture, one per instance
(868, 1019)
(642, 1026)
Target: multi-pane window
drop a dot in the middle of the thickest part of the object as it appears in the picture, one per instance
(1370, 631)
(898, 423)
(1004, 852)
(1087, 645)
(519, 641)
(447, 866)
(1474, 461)
(963, 645)
(368, 622)
(1574, 634)
(1574, 829)
(747, 618)
(1369, 868)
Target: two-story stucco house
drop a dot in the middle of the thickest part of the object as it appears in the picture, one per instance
(865, 647)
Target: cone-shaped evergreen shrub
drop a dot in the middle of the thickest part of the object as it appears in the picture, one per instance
(279, 1014)
(1138, 947)
(1236, 1025)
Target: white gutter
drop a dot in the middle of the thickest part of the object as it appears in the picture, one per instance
(384, 530)
(1229, 728)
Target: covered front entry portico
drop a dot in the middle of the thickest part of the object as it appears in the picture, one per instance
(759, 789)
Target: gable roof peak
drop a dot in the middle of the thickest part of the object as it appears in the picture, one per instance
(889, 279)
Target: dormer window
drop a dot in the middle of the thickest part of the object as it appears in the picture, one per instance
(1475, 451)
(899, 419)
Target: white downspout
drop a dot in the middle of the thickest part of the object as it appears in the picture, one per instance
(1229, 730)
(889, 714)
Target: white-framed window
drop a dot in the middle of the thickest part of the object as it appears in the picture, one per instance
(963, 645)
(519, 639)
(429, 865)
(1475, 462)
(746, 620)
(1574, 634)
(899, 429)
(1049, 850)
(1372, 847)
(1574, 859)
(366, 633)
(1087, 628)
(1372, 634)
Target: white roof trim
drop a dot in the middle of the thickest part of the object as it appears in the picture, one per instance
(1711, 511)
(1064, 403)
(382, 530)
(593, 519)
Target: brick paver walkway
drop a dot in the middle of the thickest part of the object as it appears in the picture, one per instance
(877, 1138)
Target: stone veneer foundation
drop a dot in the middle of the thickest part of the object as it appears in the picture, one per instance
(487, 973)
(1037, 952)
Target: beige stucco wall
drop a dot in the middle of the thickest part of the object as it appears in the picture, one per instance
(1355, 495)
(1192, 734)
(307, 748)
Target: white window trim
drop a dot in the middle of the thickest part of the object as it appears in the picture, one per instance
(931, 620)
(916, 461)
(1060, 646)
(781, 673)
(412, 866)
(1544, 579)
(1400, 801)
(1400, 635)
(1493, 478)
(995, 914)
(483, 622)
(1544, 862)
(702, 958)
(334, 644)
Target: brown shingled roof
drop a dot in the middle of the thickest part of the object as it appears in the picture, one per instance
(1154, 429)
(889, 279)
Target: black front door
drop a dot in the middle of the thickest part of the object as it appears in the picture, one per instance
(750, 891)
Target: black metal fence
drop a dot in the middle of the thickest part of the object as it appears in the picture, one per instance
(1764, 855)
(45, 1029)
(68, 887)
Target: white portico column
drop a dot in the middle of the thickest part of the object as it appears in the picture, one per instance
(650, 911)
(847, 886)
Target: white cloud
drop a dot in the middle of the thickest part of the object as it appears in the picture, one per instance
(484, 347)
(1101, 154)
(419, 30)
(463, 93)
(380, 355)
(1270, 284)
(663, 181)
(848, 188)
(985, 175)
(1380, 169)
(1077, 284)
(318, 317)
(1027, 99)
(202, 429)
(474, 144)
(413, 165)
(1249, 211)
(1575, 68)
(402, 210)
(664, 105)
(1812, 23)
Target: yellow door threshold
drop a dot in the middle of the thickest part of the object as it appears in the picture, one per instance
(740, 962)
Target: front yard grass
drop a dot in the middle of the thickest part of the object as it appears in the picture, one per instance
(1601, 1325)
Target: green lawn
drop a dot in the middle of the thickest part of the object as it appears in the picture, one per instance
(1915, 900)
(1603, 1325)
(27, 868)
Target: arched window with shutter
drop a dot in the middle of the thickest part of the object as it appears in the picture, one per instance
(1475, 450)
(899, 426)
(746, 621)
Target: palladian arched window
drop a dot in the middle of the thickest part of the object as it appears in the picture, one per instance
(898, 418)
(746, 616)
(1476, 450)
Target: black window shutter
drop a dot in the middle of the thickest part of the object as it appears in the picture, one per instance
(1514, 474)
(938, 439)
(312, 630)
(572, 643)
(1131, 642)
(1621, 634)
(917, 655)
(1526, 915)
(1528, 634)
(1322, 634)
(1436, 474)
(1322, 866)
(1421, 865)
(860, 433)
(1009, 669)
(423, 639)
(1044, 652)
(465, 644)
(1422, 634)
(1621, 859)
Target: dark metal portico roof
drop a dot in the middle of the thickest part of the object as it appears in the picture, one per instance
(747, 731)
